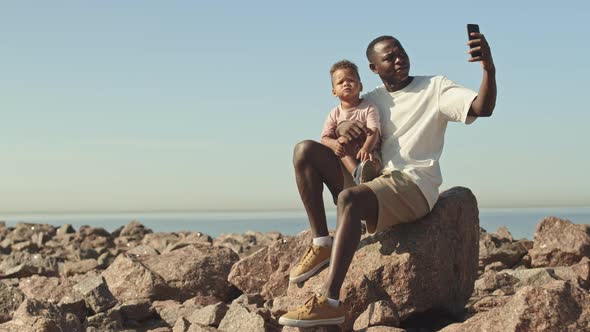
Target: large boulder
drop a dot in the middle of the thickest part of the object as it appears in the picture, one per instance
(559, 242)
(431, 263)
(557, 306)
(196, 270)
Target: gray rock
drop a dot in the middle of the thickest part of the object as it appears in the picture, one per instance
(110, 320)
(10, 300)
(95, 292)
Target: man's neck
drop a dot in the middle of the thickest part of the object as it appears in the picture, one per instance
(396, 86)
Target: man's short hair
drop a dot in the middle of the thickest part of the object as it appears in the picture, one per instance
(345, 64)
(371, 47)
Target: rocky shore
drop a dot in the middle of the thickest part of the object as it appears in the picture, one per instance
(442, 273)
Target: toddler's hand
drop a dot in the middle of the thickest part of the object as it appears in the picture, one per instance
(363, 155)
(339, 149)
(342, 140)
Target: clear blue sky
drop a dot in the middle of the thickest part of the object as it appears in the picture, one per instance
(189, 105)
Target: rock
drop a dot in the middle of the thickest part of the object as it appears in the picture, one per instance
(558, 306)
(488, 303)
(160, 241)
(200, 328)
(329, 328)
(24, 264)
(48, 289)
(36, 316)
(96, 294)
(10, 300)
(182, 269)
(142, 250)
(188, 238)
(137, 310)
(431, 263)
(495, 267)
(133, 230)
(65, 229)
(24, 231)
(169, 310)
(110, 320)
(247, 243)
(74, 304)
(504, 234)
(501, 248)
(381, 313)
(240, 318)
(491, 282)
(129, 279)
(578, 274)
(267, 270)
(79, 267)
(559, 242)
(181, 325)
(210, 315)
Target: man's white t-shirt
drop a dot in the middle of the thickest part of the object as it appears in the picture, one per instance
(413, 124)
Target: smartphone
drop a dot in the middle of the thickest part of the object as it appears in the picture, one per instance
(473, 28)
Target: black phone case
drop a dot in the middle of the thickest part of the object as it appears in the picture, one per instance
(473, 28)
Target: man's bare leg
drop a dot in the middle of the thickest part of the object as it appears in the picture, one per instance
(315, 164)
(354, 204)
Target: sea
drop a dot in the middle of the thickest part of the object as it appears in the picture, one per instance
(521, 222)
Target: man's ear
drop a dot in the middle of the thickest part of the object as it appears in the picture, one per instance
(361, 86)
(372, 67)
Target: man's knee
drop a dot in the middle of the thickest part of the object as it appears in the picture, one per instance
(347, 198)
(302, 152)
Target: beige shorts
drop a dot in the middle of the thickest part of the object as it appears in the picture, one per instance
(400, 199)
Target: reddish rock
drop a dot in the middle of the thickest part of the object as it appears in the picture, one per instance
(210, 315)
(381, 313)
(96, 293)
(48, 289)
(559, 242)
(160, 241)
(79, 267)
(36, 316)
(558, 306)
(500, 248)
(431, 263)
(195, 270)
(128, 279)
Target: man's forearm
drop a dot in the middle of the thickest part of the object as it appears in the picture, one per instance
(484, 103)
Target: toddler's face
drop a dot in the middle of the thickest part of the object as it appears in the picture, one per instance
(345, 84)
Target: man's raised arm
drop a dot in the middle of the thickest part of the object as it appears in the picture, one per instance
(484, 103)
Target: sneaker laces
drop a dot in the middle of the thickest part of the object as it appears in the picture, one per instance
(310, 252)
(311, 304)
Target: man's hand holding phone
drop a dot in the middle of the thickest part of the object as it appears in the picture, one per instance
(479, 48)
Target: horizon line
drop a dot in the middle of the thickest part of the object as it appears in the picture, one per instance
(238, 210)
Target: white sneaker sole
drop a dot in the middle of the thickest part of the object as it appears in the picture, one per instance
(310, 323)
(310, 273)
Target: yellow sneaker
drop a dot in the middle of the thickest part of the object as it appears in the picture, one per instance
(314, 258)
(316, 311)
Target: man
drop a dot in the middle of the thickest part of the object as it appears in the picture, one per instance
(414, 115)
